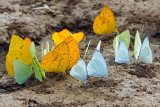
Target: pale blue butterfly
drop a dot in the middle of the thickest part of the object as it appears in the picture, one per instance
(97, 67)
(79, 71)
(145, 54)
(122, 54)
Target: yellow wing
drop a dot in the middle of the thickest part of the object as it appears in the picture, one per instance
(18, 50)
(74, 51)
(61, 36)
(78, 36)
(16, 55)
(105, 23)
(56, 60)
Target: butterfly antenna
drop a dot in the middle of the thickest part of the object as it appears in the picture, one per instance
(86, 50)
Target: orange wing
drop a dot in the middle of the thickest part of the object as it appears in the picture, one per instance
(56, 60)
(78, 36)
(74, 51)
(61, 36)
(28, 41)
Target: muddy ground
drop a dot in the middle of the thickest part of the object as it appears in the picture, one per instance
(132, 84)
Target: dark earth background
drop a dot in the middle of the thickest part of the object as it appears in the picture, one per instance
(132, 84)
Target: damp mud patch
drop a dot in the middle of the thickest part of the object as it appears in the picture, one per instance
(99, 83)
(146, 71)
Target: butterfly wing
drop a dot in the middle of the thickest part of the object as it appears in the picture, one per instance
(99, 45)
(28, 41)
(78, 36)
(37, 72)
(97, 67)
(122, 55)
(79, 71)
(116, 46)
(105, 23)
(124, 37)
(21, 71)
(57, 59)
(145, 54)
(137, 46)
(59, 37)
(73, 51)
(18, 50)
(16, 55)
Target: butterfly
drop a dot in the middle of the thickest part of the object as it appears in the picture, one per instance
(64, 56)
(97, 67)
(121, 45)
(79, 71)
(125, 37)
(142, 52)
(20, 59)
(18, 50)
(105, 22)
(59, 37)
(122, 54)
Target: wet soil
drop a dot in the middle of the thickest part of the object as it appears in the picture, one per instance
(132, 84)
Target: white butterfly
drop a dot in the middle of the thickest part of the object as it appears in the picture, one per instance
(122, 54)
(142, 53)
(97, 67)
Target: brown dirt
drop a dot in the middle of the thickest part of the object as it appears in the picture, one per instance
(132, 84)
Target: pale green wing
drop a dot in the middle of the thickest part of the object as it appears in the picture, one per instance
(37, 72)
(33, 49)
(45, 52)
(124, 37)
(40, 68)
(137, 46)
(116, 46)
(22, 71)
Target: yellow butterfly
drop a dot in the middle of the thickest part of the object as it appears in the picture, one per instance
(105, 23)
(64, 56)
(59, 37)
(18, 50)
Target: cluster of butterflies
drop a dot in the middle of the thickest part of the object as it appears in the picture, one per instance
(22, 62)
(141, 53)
(97, 67)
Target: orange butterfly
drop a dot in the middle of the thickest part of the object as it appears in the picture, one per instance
(105, 23)
(64, 56)
(59, 37)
